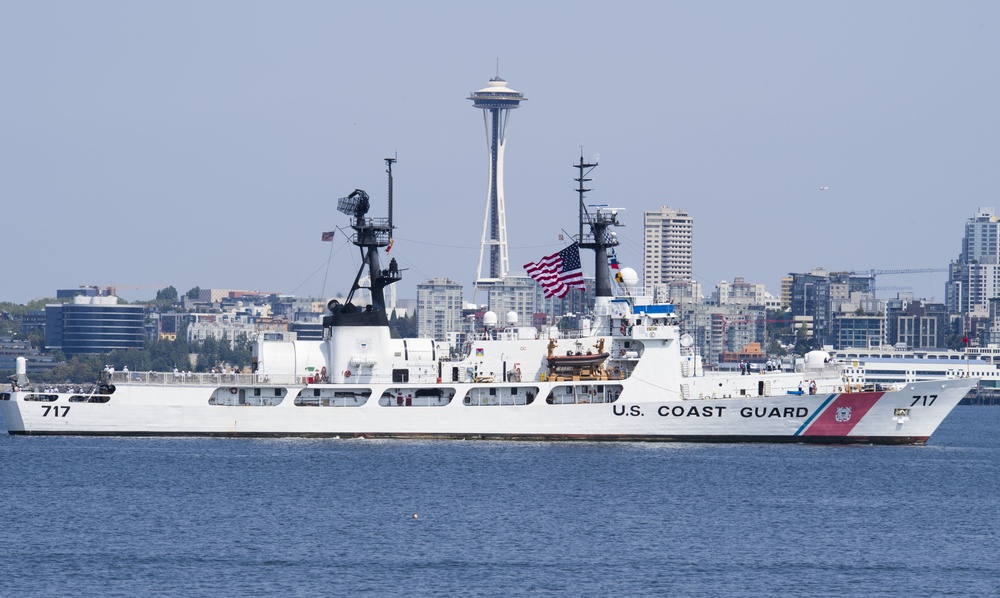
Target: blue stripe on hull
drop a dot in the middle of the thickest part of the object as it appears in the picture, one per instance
(815, 414)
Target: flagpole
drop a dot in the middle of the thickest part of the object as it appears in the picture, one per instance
(968, 371)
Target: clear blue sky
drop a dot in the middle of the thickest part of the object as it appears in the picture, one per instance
(205, 143)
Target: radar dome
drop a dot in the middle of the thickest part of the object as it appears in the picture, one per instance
(817, 358)
(629, 278)
(512, 318)
(489, 319)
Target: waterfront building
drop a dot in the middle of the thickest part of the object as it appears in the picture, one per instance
(94, 325)
(667, 247)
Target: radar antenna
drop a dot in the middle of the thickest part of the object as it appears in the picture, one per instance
(356, 204)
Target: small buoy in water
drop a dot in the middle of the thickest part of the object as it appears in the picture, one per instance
(415, 516)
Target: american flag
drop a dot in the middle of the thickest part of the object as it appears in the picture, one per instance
(558, 272)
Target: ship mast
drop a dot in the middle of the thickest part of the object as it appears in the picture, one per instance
(370, 235)
(596, 221)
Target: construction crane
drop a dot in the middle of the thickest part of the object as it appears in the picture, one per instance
(871, 273)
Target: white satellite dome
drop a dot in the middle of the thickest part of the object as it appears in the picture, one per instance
(816, 358)
(629, 278)
(489, 319)
(512, 318)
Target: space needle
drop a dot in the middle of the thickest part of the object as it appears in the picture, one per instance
(496, 101)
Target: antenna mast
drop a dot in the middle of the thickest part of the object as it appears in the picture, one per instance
(597, 237)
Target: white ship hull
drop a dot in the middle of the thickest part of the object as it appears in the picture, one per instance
(906, 416)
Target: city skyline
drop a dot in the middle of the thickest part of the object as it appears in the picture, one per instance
(145, 143)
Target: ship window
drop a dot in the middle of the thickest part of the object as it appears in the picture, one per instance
(232, 396)
(416, 397)
(500, 396)
(45, 398)
(332, 398)
(603, 393)
(89, 399)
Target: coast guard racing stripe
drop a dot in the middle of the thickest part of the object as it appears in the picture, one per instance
(842, 414)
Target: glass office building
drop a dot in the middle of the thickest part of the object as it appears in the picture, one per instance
(94, 325)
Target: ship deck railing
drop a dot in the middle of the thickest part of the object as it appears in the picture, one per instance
(208, 379)
(824, 370)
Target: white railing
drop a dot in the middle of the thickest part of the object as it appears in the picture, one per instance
(203, 379)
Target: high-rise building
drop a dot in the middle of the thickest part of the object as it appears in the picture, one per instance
(667, 247)
(740, 292)
(439, 308)
(974, 278)
(786, 292)
(514, 294)
(820, 295)
(496, 101)
(982, 237)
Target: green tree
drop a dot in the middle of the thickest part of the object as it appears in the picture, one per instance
(210, 354)
(168, 295)
(36, 304)
(402, 326)
(11, 315)
(803, 344)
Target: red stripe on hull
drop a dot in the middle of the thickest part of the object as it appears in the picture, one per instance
(841, 415)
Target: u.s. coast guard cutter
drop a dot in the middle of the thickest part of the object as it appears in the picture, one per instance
(631, 375)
